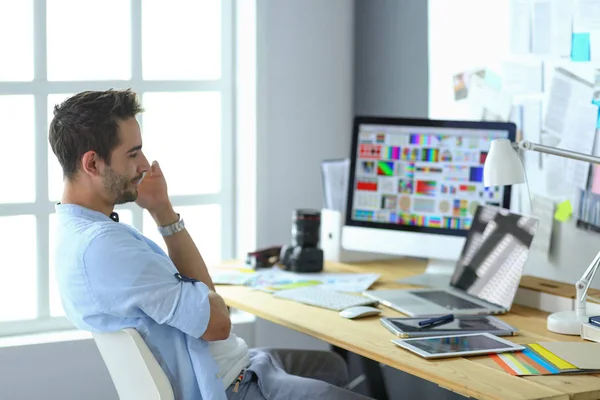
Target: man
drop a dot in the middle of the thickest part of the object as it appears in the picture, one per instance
(112, 277)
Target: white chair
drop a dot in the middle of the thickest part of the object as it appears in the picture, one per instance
(132, 367)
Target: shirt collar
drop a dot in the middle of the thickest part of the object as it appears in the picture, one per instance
(80, 211)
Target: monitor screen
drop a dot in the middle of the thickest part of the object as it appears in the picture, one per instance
(421, 175)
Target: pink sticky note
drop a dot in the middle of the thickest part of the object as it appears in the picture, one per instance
(596, 180)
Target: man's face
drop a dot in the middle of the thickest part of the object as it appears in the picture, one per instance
(127, 164)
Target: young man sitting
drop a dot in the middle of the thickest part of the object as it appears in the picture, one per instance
(112, 277)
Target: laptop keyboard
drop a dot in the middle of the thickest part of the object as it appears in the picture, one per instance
(447, 300)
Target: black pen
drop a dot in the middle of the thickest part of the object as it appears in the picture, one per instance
(437, 320)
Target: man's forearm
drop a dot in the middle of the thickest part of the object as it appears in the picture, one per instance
(183, 251)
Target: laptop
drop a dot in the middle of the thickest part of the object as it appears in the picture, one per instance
(486, 276)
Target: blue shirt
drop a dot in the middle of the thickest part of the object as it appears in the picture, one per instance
(111, 277)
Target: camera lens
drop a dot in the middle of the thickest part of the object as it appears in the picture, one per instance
(305, 227)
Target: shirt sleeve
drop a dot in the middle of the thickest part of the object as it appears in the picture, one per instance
(128, 279)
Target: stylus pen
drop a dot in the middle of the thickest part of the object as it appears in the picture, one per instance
(437, 320)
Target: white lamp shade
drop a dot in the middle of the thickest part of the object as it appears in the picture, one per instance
(502, 165)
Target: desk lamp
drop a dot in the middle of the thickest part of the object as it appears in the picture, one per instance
(503, 166)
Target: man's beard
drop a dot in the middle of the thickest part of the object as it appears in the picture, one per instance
(121, 187)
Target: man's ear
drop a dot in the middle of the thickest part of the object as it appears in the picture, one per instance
(91, 163)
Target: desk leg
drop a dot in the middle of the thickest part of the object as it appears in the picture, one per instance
(373, 374)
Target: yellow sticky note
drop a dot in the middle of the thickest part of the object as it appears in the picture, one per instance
(563, 211)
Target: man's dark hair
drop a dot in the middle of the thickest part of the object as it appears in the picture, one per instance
(89, 121)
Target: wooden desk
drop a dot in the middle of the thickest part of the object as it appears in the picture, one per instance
(477, 377)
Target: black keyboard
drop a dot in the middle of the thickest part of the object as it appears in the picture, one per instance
(447, 300)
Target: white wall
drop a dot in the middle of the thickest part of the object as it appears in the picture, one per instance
(304, 115)
(304, 93)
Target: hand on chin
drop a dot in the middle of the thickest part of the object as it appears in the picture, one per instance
(152, 191)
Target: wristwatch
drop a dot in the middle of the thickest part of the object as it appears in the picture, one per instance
(173, 228)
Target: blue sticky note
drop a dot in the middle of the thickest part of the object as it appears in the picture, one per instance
(493, 80)
(580, 47)
(597, 103)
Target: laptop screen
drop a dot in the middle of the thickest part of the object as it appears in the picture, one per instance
(494, 254)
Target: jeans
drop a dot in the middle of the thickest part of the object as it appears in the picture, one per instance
(292, 374)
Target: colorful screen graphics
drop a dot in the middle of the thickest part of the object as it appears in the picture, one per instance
(430, 177)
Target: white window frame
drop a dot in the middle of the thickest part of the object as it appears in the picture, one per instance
(40, 87)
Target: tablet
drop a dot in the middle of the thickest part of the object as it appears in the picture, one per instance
(409, 327)
(458, 345)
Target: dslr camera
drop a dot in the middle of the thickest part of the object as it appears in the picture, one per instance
(303, 255)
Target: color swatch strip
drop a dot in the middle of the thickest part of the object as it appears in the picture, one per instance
(534, 360)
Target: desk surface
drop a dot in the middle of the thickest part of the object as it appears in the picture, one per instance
(476, 377)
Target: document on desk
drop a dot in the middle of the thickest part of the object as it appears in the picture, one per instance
(274, 279)
(551, 358)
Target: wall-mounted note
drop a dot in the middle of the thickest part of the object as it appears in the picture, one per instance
(563, 211)
(580, 47)
(543, 209)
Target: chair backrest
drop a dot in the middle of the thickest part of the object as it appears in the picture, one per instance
(133, 369)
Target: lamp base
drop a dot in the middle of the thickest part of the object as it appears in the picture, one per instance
(566, 322)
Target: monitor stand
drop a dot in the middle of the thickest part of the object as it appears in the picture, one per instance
(437, 274)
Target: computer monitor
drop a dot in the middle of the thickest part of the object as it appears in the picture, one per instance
(415, 185)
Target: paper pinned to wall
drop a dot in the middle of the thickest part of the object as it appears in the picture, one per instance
(335, 177)
(523, 77)
(532, 129)
(486, 102)
(567, 92)
(586, 17)
(552, 27)
(556, 177)
(580, 47)
(579, 135)
(520, 27)
(564, 211)
(543, 208)
(595, 186)
(595, 47)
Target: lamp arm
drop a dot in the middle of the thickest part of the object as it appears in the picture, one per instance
(527, 145)
(583, 284)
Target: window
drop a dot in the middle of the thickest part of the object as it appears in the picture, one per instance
(177, 56)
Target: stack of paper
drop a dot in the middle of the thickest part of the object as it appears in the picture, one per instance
(548, 358)
(231, 275)
(274, 279)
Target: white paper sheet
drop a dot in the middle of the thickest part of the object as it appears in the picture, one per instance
(567, 93)
(522, 77)
(520, 27)
(335, 184)
(543, 208)
(532, 129)
(487, 103)
(586, 17)
(273, 279)
(552, 27)
(557, 186)
(595, 47)
(580, 131)
(541, 35)
(562, 29)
